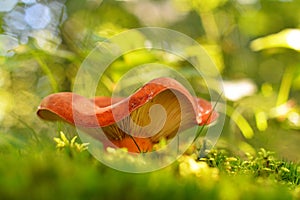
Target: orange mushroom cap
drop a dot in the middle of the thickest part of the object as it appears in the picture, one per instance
(131, 113)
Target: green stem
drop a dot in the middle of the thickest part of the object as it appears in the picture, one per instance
(285, 86)
(48, 72)
(34, 133)
(240, 121)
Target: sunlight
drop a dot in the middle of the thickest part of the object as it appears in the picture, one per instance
(293, 39)
(294, 118)
(235, 90)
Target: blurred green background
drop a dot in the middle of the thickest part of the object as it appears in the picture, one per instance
(254, 44)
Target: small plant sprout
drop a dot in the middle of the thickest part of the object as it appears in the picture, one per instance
(63, 142)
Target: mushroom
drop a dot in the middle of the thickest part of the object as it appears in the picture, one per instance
(160, 109)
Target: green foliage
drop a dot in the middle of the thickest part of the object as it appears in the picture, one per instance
(264, 165)
(48, 173)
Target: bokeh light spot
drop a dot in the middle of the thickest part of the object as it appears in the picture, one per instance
(293, 39)
(38, 16)
(7, 5)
